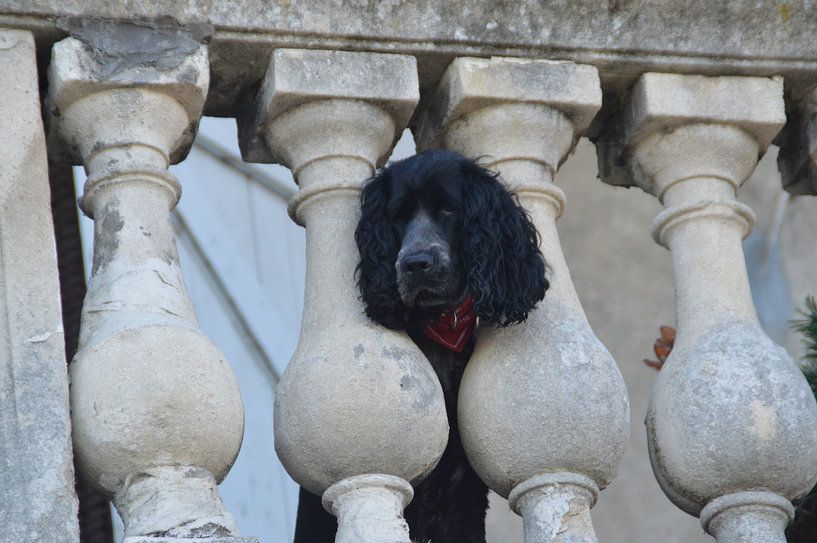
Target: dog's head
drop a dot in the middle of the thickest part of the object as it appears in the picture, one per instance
(435, 227)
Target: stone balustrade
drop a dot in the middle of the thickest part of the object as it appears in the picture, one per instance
(156, 412)
(732, 422)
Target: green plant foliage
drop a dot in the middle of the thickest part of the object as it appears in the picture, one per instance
(802, 529)
(808, 327)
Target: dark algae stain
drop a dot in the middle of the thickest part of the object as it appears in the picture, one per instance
(107, 235)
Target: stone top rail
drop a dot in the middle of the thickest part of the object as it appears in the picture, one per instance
(622, 39)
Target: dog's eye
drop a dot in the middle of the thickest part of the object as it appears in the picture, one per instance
(445, 210)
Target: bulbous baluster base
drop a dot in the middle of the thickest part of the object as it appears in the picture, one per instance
(153, 396)
(730, 410)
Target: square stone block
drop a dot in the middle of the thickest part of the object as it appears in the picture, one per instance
(469, 84)
(169, 63)
(300, 76)
(661, 101)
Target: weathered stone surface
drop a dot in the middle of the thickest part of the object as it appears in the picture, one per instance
(300, 76)
(730, 412)
(359, 412)
(603, 232)
(661, 101)
(156, 410)
(470, 84)
(530, 413)
(623, 39)
(555, 508)
(175, 66)
(798, 146)
(377, 499)
(37, 501)
(748, 516)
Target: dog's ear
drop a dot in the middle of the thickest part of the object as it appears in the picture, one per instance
(504, 267)
(378, 245)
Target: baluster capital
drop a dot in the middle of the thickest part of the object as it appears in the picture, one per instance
(526, 89)
(337, 80)
(329, 116)
(118, 94)
(642, 146)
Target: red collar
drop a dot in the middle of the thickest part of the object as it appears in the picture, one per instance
(453, 328)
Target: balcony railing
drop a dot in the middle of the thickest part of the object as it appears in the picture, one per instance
(156, 418)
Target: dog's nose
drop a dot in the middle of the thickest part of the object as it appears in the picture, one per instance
(417, 263)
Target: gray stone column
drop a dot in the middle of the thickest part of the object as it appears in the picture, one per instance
(37, 501)
(157, 414)
(359, 413)
(732, 422)
(543, 409)
(798, 145)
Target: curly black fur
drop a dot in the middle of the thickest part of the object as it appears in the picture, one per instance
(499, 246)
(485, 245)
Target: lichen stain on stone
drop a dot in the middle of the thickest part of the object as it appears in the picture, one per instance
(785, 12)
(393, 353)
(358, 350)
(764, 420)
(423, 392)
(107, 235)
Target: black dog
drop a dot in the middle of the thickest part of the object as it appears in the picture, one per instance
(443, 247)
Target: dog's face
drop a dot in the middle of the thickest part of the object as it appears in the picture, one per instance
(425, 212)
(435, 227)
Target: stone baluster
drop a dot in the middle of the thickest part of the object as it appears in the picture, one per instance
(731, 422)
(543, 410)
(156, 411)
(359, 413)
(798, 145)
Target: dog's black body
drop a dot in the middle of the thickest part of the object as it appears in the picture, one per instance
(434, 229)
